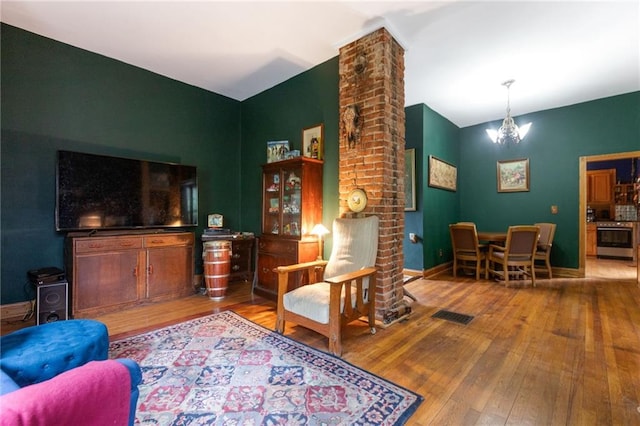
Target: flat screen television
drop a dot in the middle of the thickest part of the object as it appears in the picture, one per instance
(98, 192)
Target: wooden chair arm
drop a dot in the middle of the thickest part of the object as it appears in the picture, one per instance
(345, 280)
(351, 275)
(300, 266)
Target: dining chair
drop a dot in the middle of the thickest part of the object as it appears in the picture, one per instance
(468, 253)
(516, 257)
(543, 248)
(340, 290)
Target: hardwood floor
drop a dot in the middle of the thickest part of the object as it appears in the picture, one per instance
(564, 353)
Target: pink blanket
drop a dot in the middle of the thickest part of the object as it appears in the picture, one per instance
(97, 393)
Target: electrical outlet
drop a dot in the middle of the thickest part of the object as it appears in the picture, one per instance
(440, 253)
(413, 238)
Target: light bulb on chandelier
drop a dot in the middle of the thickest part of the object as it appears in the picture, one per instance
(508, 132)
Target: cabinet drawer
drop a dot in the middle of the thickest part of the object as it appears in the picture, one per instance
(106, 244)
(168, 240)
(282, 248)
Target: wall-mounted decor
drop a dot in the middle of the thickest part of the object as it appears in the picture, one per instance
(351, 122)
(442, 174)
(410, 180)
(277, 150)
(215, 220)
(312, 141)
(513, 175)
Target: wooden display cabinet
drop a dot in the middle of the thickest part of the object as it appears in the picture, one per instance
(291, 206)
(111, 271)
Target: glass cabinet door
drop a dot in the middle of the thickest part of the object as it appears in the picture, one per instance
(282, 202)
(272, 204)
(291, 201)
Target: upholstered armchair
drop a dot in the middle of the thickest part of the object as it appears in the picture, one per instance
(542, 260)
(468, 253)
(516, 257)
(340, 290)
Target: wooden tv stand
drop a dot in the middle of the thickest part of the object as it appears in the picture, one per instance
(109, 271)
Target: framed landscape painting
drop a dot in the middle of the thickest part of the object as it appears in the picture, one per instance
(442, 174)
(513, 175)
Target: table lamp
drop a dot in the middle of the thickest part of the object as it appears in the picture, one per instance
(319, 231)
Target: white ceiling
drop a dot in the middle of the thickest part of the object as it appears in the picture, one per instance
(457, 52)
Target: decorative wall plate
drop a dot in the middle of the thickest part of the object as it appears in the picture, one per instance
(357, 200)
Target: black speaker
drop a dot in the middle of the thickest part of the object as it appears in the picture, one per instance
(52, 302)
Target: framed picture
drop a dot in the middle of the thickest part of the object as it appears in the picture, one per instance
(513, 175)
(312, 141)
(277, 150)
(410, 180)
(442, 174)
(215, 220)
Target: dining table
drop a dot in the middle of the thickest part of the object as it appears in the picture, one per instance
(492, 237)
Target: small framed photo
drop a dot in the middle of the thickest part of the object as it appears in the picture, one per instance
(312, 141)
(513, 175)
(277, 150)
(214, 220)
(442, 174)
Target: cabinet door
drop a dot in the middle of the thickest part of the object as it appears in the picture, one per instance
(272, 201)
(600, 186)
(106, 279)
(169, 271)
(242, 259)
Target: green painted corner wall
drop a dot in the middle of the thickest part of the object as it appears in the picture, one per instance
(414, 139)
(281, 113)
(554, 145)
(441, 207)
(55, 96)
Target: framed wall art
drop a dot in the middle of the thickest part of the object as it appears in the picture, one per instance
(513, 175)
(277, 150)
(442, 174)
(313, 141)
(410, 180)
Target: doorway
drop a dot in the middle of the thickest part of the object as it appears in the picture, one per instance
(591, 266)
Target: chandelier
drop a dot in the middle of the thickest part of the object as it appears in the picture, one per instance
(508, 133)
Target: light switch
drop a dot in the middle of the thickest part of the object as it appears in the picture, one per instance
(554, 209)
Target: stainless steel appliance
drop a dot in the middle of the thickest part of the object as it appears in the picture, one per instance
(616, 240)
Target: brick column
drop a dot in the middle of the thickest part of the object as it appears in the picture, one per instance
(372, 148)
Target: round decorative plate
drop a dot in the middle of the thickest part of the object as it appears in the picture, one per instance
(357, 200)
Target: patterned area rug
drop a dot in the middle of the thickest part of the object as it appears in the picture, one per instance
(223, 369)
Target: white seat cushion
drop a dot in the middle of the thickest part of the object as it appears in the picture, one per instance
(312, 301)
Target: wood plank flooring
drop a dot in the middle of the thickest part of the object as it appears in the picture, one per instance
(564, 353)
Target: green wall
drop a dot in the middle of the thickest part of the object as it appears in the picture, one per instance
(281, 113)
(441, 207)
(558, 137)
(55, 96)
(414, 138)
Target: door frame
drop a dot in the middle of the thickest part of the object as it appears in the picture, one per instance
(582, 211)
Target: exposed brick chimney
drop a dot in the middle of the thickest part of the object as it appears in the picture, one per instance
(372, 148)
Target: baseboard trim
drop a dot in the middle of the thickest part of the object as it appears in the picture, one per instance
(17, 310)
(437, 270)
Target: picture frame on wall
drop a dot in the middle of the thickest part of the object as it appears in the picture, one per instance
(277, 150)
(410, 180)
(442, 174)
(313, 141)
(513, 175)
